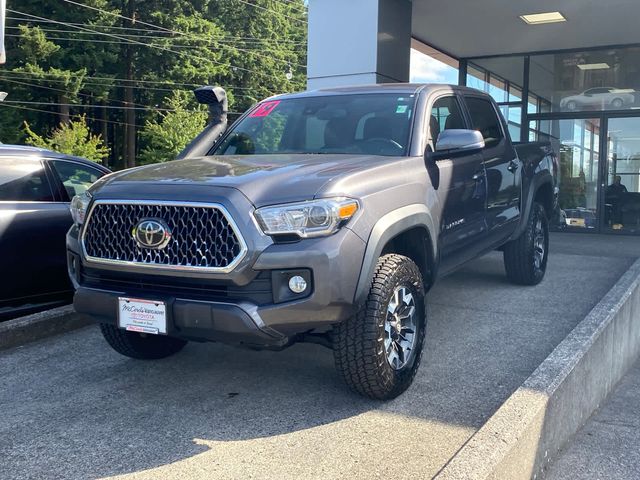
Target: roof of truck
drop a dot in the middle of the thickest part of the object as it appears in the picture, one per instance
(399, 88)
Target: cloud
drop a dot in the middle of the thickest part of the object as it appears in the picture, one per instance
(425, 69)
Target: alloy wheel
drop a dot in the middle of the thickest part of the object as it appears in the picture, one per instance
(400, 328)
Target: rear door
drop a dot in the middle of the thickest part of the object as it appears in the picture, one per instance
(461, 189)
(501, 165)
(30, 215)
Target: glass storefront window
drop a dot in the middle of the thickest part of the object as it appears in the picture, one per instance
(622, 194)
(576, 142)
(595, 80)
(476, 79)
(513, 115)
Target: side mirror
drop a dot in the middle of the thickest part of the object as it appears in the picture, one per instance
(459, 140)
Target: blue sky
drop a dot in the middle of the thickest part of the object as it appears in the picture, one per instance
(425, 69)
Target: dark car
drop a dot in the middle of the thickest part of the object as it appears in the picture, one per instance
(36, 186)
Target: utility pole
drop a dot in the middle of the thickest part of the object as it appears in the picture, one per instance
(3, 10)
(130, 113)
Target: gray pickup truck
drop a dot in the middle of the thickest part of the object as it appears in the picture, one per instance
(320, 217)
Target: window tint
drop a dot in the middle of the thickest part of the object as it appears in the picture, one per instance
(75, 177)
(445, 115)
(485, 120)
(23, 181)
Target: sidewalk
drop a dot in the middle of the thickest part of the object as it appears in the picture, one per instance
(608, 446)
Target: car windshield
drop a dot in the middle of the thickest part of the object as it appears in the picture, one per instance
(374, 124)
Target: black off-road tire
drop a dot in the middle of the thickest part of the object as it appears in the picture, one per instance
(140, 346)
(358, 343)
(522, 260)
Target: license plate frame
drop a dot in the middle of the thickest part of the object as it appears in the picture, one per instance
(142, 315)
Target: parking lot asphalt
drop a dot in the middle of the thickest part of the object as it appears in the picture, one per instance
(72, 408)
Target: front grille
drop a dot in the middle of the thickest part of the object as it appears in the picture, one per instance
(202, 236)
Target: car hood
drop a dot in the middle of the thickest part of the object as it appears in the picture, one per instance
(263, 179)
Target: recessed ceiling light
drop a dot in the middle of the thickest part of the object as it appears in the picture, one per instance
(593, 66)
(547, 17)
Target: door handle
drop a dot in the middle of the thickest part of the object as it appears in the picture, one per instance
(478, 175)
(513, 166)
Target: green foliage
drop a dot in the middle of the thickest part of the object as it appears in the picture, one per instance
(249, 48)
(167, 135)
(73, 138)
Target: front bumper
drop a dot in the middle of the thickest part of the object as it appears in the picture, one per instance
(227, 308)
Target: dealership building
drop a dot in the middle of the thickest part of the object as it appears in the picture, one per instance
(560, 70)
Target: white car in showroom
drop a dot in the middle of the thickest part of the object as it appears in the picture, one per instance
(600, 98)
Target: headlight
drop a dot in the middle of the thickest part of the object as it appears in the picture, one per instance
(78, 207)
(316, 218)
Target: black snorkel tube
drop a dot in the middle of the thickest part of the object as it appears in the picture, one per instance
(216, 98)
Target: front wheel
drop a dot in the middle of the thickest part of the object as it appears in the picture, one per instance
(525, 258)
(140, 345)
(377, 351)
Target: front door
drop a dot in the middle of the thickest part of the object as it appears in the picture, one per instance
(501, 165)
(622, 184)
(461, 190)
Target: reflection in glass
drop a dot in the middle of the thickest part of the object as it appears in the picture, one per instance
(596, 80)
(577, 142)
(622, 194)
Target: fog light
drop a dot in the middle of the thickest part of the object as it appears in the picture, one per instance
(297, 284)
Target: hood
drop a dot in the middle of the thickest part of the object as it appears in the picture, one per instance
(263, 179)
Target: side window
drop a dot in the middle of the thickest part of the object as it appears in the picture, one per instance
(75, 177)
(445, 115)
(23, 181)
(485, 120)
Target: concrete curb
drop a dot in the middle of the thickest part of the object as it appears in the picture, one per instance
(39, 325)
(539, 418)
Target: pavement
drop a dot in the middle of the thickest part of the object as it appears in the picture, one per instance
(73, 408)
(608, 446)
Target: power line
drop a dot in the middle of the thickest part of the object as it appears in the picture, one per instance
(176, 32)
(112, 79)
(159, 35)
(151, 25)
(60, 90)
(111, 107)
(142, 43)
(97, 84)
(93, 40)
(261, 8)
(4, 104)
(155, 30)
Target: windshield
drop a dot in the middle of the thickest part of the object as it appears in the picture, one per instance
(374, 124)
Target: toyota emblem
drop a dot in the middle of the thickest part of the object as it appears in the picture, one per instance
(152, 233)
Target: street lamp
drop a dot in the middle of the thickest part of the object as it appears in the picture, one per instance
(3, 95)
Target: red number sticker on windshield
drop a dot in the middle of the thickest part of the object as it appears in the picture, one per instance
(264, 109)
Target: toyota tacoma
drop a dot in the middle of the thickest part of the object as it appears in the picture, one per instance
(322, 216)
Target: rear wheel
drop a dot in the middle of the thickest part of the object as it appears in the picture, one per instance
(378, 350)
(140, 345)
(525, 258)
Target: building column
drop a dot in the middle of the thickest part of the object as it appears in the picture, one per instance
(358, 42)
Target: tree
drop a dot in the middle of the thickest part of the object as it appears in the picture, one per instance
(73, 138)
(167, 136)
(115, 60)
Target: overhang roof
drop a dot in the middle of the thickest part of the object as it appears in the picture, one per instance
(473, 28)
